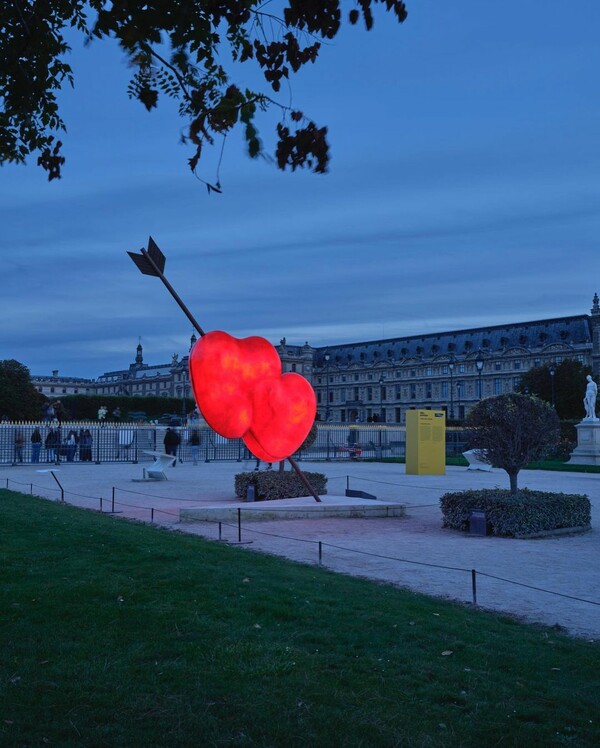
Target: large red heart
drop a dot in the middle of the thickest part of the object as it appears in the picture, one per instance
(241, 392)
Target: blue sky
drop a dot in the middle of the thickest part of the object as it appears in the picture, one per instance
(464, 190)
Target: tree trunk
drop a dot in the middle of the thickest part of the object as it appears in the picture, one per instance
(513, 483)
(282, 466)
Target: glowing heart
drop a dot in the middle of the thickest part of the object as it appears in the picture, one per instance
(241, 392)
(284, 411)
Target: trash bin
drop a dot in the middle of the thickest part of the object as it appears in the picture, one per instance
(251, 492)
(478, 522)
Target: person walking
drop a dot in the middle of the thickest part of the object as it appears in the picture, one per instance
(71, 446)
(19, 441)
(36, 445)
(85, 446)
(52, 444)
(194, 443)
(171, 442)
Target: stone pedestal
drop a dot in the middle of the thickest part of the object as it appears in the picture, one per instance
(587, 451)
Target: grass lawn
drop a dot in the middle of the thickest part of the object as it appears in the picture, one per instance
(119, 634)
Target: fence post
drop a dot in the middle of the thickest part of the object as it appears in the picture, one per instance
(474, 585)
(113, 500)
(320, 552)
(152, 514)
(239, 513)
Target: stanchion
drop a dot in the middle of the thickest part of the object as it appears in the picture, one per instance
(152, 514)
(239, 522)
(62, 492)
(474, 585)
(112, 506)
(320, 552)
(221, 539)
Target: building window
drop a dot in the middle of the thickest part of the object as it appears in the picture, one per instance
(537, 362)
(497, 386)
(398, 374)
(343, 377)
(461, 368)
(356, 377)
(429, 371)
(413, 391)
(369, 393)
(516, 382)
(318, 380)
(398, 395)
(318, 397)
(370, 376)
(445, 369)
(343, 415)
(331, 397)
(51, 389)
(444, 389)
(384, 393)
(428, 390)
(343, 395)
(498, 366)
(398, 415)
(413, 372)
(293, 367)
(516, 364)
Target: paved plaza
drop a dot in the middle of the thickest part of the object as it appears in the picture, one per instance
(413, 551)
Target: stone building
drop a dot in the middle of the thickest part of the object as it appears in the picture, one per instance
(380, 380)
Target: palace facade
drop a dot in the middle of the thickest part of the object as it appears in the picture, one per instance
(380, 380)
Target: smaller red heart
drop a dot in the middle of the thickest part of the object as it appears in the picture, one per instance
(284, 410)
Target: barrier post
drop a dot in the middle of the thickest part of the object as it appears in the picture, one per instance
(113, 500)
(239, 513)
(474, 585)
(320, 552)
(152, 514)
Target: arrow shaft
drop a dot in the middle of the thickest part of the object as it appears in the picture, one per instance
(173, 292)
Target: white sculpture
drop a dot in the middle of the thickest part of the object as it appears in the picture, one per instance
(589, 401)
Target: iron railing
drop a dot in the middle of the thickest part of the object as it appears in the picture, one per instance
(129, 442)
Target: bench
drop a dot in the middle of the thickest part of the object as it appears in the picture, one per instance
(475, 459)
(156, 471)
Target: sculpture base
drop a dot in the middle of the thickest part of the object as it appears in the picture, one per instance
(587, 451)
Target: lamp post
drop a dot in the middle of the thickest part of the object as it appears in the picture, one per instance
(479, 365)
(552, 372)
(451, 368)
(326, 357)
(458, 389)
(381, 398)
(183, 393)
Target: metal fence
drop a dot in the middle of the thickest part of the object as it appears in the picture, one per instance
(27, 442)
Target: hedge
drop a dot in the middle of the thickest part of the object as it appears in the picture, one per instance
(271, 484)
(527, 513)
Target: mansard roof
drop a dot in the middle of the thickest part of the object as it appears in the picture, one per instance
(564, 331)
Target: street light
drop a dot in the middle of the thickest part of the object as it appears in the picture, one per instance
(326, 357)
(381, 398)
(451, 367)
(552, 371)
(479, 365)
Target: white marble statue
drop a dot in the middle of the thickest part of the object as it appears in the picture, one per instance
(589, 401)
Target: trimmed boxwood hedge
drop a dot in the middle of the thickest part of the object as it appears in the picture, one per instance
(271, 484)
(527, 513)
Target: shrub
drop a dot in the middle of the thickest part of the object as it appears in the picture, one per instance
(527, 513)
(271, 484)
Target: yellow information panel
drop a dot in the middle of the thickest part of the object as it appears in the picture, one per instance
(425, 442)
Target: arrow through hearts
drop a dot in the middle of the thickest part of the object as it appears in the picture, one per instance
(239, 386)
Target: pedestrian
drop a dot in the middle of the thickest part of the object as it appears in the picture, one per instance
(85, 446)
(51, 444)
(71, 446)
(19, 441)
(194, 443)
(171, 442)
(36, 445)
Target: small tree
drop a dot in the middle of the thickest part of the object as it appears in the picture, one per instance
(566, 386)
(513, 430)
(19, 399)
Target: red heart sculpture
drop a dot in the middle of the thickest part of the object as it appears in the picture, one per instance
(284, 411)
(241, 392)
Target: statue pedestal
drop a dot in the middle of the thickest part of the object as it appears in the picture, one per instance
(587, 451)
